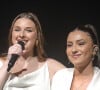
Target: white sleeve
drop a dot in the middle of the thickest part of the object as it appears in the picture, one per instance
(58, 80)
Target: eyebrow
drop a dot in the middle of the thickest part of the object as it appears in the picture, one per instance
(76, 40)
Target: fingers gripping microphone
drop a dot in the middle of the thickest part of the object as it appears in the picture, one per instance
(14, 57)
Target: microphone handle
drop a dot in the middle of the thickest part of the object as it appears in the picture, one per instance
(12, 61)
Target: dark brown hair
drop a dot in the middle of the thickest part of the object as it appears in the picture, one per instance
(91, 30)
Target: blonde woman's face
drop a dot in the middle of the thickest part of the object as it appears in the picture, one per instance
(25, 30)
(79, 48)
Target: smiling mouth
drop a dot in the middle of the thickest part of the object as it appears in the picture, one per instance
(76, 56)
(25, 41)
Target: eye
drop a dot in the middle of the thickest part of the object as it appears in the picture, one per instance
(69, 45)
(81, 43)
(16, 30)
(29, 30)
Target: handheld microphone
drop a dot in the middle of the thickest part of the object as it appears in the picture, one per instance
(14, 57)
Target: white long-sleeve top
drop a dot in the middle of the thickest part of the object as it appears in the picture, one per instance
(62, 80)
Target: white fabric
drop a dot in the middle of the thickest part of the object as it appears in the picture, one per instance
(38, 80)
(63, 78)
(1, 63)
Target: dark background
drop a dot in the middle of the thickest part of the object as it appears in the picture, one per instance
(55, 16)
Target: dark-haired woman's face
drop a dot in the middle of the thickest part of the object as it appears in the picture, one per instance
(79, 48)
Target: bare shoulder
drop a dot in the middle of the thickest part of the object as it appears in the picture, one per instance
(3, 57)
(2, 61)
(54, 66)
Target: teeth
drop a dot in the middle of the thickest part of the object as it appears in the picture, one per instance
(21, 40)
(25, 41)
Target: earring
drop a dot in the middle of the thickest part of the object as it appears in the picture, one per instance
(95, 50)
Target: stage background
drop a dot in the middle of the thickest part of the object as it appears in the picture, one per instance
(55, 16)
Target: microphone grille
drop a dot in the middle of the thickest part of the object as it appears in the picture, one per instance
(22, 44)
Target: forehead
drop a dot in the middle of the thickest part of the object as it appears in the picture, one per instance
(24, 21)
(77, 35)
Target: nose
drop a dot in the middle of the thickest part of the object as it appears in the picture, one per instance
(74, 49)
(21, 34)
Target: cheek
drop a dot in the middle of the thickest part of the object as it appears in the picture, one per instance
(33, 37)
(88, 51)
(14, 36)
(68, 52)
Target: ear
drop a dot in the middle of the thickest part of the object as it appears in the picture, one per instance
(95, 49)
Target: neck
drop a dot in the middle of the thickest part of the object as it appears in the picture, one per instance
(83, 71)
